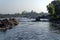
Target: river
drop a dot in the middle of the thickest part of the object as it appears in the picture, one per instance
(27, 30)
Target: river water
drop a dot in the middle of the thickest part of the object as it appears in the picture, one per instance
(27, 30)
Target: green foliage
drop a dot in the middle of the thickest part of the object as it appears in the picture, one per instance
(51, 8)
(54, 8)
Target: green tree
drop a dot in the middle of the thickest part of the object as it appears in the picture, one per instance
(51, 9)
(54, 8)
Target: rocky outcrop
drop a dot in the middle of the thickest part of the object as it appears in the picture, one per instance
(38, 18)
(8, 23)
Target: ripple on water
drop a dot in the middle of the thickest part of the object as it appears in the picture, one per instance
(30, 31)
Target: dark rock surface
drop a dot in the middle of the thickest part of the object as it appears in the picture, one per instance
(8, 23)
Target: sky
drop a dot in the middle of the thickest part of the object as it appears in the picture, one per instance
(15, 6)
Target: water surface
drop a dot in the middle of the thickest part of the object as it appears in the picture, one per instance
(27, 30)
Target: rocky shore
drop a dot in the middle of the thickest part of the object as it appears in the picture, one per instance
(8, 23)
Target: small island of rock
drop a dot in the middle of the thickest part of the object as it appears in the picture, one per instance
(8, 23)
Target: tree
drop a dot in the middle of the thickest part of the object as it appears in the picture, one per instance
(56, 0)
(54, 8)
(51, 9)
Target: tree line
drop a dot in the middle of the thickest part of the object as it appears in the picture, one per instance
(54, 10)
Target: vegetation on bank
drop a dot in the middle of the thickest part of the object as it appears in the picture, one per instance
(54, 10)
(26, 14)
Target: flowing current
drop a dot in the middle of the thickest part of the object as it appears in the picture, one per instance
(27, 30)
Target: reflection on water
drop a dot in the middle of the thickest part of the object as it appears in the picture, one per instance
(54, 28)
(32, 31)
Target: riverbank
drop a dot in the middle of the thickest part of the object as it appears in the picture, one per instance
(8, 23)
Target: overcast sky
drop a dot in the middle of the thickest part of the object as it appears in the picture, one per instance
(13, 6)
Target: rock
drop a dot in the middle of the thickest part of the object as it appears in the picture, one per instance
(14, 21)
(38, 18)
(8, 23)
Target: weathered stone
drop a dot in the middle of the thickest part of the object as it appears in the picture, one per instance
(8, 23)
